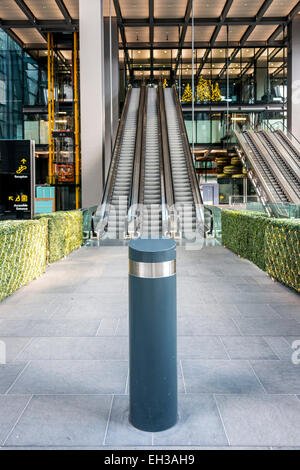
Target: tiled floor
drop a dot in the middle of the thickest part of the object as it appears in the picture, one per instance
(65, 383)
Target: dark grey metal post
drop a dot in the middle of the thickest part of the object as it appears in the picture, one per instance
(152, 334)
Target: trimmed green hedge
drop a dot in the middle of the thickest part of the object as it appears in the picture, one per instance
(65, 233)
(244, 233)
(282, 251)
(272, 244)
(23, 253)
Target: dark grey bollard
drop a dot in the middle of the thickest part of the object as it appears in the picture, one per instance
(152, 334)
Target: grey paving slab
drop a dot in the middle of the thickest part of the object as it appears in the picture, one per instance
(122, 327)
(95, 305)
(255, 297)
(267, 327)
(27, 296)
(104, 286)
(263, 287)
(120, 432)
(287, 310)
(201, 347)
(248, 347)
(280, 346)
(8, 374)
(213, 310)
(97, 348)
(253, 310)
(10, 410)
(108, 327)
(72, 377)
(198, 424)
(13, 346)
(278, 376)
(204, 325)
(34, 328)
(28, 311)
(219, 376)
(62, 420)
(260, 420)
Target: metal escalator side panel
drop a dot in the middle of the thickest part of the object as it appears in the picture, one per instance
(288, 159)
(285, 143)
(292, 142)
(288, 181)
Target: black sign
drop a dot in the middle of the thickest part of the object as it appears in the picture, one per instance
(63, 133)
(16, 179)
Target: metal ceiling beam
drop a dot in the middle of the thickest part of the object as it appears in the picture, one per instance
(161, 22)
(258, 18)
(28, 13)
(263, 9)
(43, 46)
(64, 11)
(16, 38)
(200, 45)
(122, 31)
(257, 56)
(214, 36)
(280, 28)
(187, 16)
(278, 70)
(42, 25)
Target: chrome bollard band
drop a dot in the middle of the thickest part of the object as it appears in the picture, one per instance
(152, 270)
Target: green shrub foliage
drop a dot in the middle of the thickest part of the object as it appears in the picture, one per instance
(23, 253)
(272, 244)
(244, 233)
(283, 251)
(65, 233)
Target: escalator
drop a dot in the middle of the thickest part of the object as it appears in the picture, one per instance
(151, 188)
(290, 175)
(110, 216)
(275, 181)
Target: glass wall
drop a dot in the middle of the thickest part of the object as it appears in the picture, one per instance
(216, 127)
(255, 76)
(22, 83)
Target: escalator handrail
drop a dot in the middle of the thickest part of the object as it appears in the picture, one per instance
(164, 206)
(167, 169)
(190, 161)
(133, 198)
(284, 153)
(285, 131)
